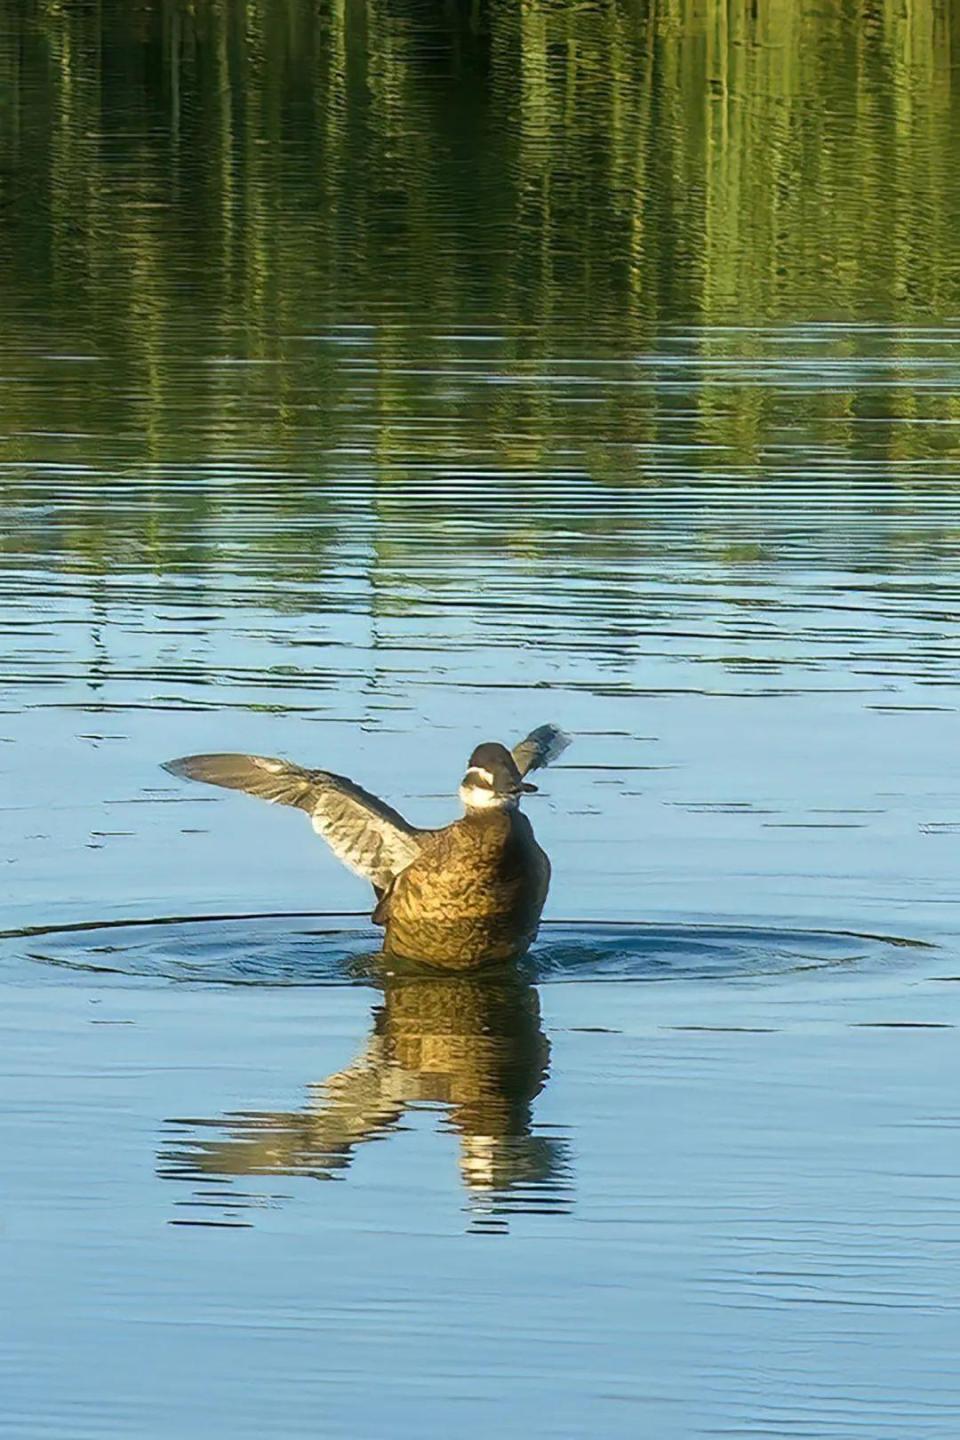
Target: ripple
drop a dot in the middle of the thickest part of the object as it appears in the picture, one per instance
(324, 949)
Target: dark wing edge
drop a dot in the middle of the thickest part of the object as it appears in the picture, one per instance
(541, 747)
(279, 782)
(369, 836)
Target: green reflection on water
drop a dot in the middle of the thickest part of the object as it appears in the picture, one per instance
(341, 240)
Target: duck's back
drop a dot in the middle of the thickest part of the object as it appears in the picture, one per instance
(474, 894)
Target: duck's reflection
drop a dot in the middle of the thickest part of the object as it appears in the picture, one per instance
(473, 1046)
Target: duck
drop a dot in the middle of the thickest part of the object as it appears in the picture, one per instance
(463, 896)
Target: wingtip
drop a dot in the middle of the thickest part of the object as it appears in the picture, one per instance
(541, 747)
(179, 767)
(560, 739)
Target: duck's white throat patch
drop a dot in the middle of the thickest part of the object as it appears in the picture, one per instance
(476, 794)
(478, 797)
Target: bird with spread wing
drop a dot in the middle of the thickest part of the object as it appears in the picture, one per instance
(465, 895)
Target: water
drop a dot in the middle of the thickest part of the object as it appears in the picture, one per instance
(376, 379)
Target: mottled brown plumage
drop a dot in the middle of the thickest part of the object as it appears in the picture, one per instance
(467, 895)
(473, 895)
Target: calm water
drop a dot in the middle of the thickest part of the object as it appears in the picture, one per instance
(381, 377)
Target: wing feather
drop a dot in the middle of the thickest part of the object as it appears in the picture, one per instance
(369, 836)
(363, 831)
(540, 748)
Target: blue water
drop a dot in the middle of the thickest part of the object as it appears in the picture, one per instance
(379, 380)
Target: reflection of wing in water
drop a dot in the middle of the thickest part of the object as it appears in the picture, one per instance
(474, 1047)
(351, 1106)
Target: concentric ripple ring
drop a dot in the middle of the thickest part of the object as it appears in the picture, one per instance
(309, 948)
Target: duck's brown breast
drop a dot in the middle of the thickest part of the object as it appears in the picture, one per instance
(473, 896)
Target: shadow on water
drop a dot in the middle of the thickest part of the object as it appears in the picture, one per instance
(472, 1047)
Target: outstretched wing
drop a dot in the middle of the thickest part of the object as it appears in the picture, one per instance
(368, 835)
(541, 747)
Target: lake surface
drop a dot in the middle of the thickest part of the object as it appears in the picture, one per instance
(380, 378)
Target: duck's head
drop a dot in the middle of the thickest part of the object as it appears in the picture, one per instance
(492, 781)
